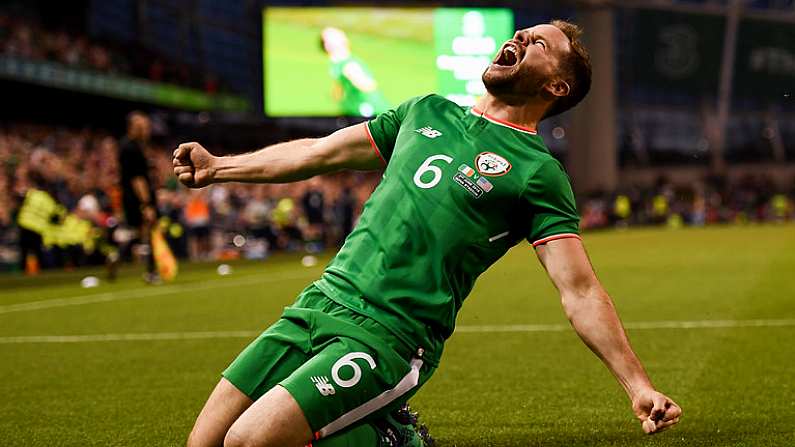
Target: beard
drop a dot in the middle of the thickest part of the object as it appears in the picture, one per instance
(513, 86)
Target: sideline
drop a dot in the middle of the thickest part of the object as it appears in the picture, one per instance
(155, 336)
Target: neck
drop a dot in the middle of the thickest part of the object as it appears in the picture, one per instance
(526, 115)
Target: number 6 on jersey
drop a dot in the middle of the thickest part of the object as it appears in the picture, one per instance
(426, 166)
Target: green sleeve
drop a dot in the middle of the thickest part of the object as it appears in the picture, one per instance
(550, 199)
(384, 128)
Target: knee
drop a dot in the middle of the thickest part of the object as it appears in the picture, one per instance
(237, 438)
(194, 441)
(198, 439)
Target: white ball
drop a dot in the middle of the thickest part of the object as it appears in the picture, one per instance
(224, 269)
(89, 281)
(309, 261)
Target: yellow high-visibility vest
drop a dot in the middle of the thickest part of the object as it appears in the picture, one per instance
(38, 213)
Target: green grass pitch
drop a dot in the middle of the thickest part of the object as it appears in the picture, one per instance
(152, 354)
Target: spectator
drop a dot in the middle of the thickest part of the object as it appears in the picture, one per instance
(196, 214)
(256, 216)
(313, 203)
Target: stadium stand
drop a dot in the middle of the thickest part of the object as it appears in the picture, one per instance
(272, 216)
(279, 217)
(26, 38)
(218, 48)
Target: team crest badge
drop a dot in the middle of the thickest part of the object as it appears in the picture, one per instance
(491, 164)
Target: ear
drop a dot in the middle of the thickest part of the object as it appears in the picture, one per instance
(558, 88)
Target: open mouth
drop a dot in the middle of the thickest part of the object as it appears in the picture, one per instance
(508, 56)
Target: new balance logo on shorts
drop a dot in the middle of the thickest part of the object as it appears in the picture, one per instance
(429, 132)
(322, 385)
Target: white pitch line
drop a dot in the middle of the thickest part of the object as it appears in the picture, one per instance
(639, 325)
(155, 336)
(128, 337)
(146, 292)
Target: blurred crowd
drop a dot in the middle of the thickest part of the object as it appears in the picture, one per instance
(712, 200)
(27, 39)
(79, 169)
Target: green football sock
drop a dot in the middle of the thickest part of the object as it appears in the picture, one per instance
(367, 435)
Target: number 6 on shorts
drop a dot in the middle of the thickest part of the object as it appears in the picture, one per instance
(347, 360)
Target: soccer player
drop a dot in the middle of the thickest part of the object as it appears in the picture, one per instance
(461, 186)
(355, 87)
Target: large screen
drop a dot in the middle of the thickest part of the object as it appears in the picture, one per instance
(360, 61)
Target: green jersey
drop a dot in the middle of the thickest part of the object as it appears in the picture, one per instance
(460, 188)
(356, 102)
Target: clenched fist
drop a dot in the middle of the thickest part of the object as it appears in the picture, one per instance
(193, 165)
(655, 411)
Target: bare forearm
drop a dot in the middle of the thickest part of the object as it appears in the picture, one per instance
(347, 148)
(141, 189)
(280, 163)
(595, 319)
(593, 316)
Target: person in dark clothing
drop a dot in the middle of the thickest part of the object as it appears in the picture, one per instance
(346, 207)
(314, 206)
(138, 194)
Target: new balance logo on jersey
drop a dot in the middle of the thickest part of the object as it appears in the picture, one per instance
(322, 385)
(429, 132)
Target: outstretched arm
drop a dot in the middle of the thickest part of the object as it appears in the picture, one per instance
(591, 312)
(347, 148)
